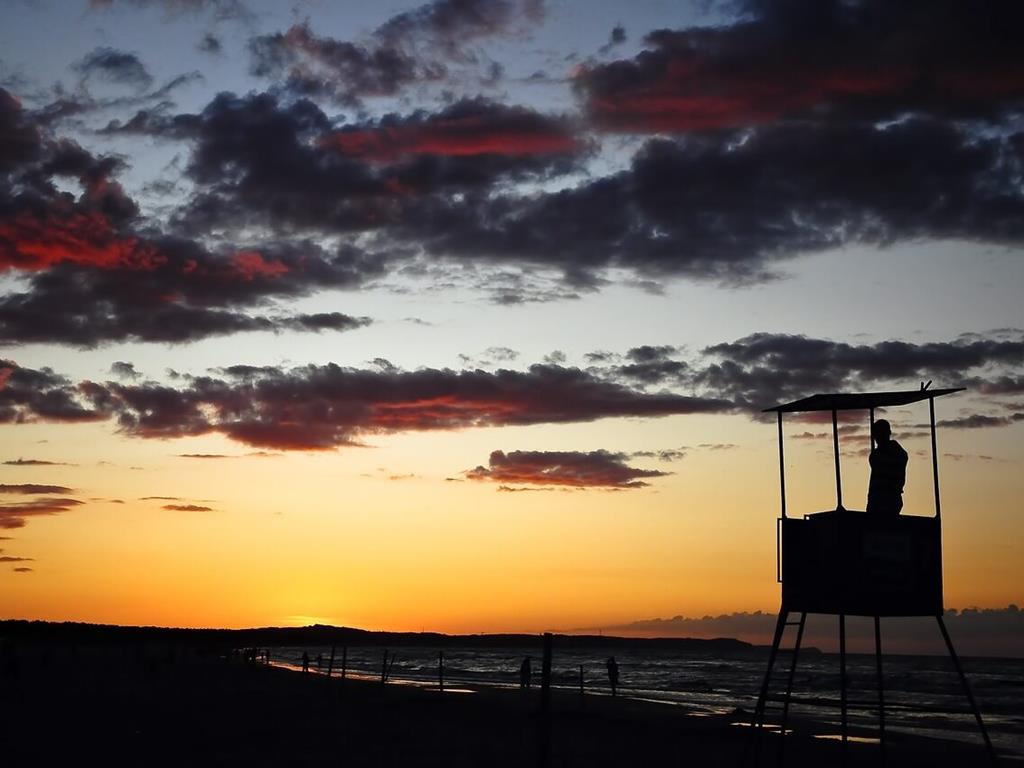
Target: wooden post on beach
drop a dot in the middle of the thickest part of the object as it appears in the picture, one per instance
(545, 702)
(440, 671)
(384, 669)
(344, 661)
(330, 664)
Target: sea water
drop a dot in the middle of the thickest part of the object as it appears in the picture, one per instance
(923, 694)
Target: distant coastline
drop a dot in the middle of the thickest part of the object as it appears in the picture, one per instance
(323, 635)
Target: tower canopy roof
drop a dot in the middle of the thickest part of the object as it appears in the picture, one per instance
(855, 401)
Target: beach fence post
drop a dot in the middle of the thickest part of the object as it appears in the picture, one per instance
(440, 671)
(344, 661)
(384, 669)
(545, 702)
(330, 664)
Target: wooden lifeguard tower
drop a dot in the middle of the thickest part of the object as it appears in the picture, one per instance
(848, 563)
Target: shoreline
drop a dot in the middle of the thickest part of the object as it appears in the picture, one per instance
(139, 705)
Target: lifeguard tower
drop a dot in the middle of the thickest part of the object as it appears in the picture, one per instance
(848, 563)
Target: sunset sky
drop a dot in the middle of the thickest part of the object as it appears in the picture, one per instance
(460, 316)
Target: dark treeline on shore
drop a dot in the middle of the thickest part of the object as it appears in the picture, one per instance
(81, 633)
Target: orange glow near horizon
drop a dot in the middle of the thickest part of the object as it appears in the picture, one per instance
(393, 537)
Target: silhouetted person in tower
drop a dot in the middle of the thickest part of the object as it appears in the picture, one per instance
(525, 673)
(888, 471)
(613, 673)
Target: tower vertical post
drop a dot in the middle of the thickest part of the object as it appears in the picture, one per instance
(835, 451)
(782, 468)
(935, 459)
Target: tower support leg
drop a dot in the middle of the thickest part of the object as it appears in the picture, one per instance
(789, 687)
(881, 690)
(758, 719)
(842, 685)
(967, 690)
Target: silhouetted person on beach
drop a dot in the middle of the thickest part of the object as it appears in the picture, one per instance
(305, 662)
(888, 471)
(525, 673)
(613, 673)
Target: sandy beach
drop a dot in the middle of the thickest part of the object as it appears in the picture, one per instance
(166, 705)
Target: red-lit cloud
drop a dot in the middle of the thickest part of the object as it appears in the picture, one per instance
(251, 264)
(574, 469)
(467, 129)
(324, 407)
(32, 242)
(813, 61)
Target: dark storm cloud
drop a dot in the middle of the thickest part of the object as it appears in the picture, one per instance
(819, 60)
(723, 207)
(997, 385)
(733, 208)
(467, 128)
(259, 161)
(96, 273)
(28, 395)
(322, 66)
(653, 365)
(576, 469)
(103, 307)
(20, 139)
(323, 407)
(412, 47)
(114, 66)
(764, 369)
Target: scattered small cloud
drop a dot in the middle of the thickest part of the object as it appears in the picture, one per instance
(16, 515)
(114, 66)
(211, 44)
(33, 488)
(576, 469)
(187, 508)
(124, 370)
(36, 463)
